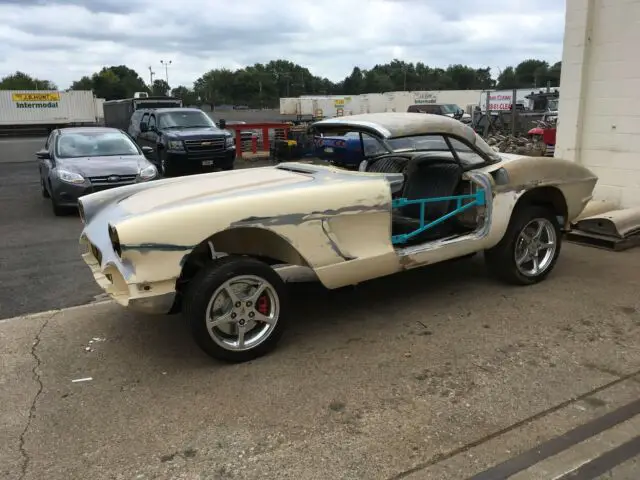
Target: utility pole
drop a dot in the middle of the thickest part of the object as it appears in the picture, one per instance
(151, 74)
(166, 69)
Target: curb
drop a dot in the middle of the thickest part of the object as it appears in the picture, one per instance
(35, 316)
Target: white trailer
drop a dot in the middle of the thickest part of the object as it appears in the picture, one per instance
(47, 108)
(289, 106)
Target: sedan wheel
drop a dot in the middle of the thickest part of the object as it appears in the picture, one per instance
(45, 192)
(236, 307)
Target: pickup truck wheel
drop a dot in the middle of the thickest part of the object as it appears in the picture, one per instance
(166, 170)
(530, 248)
(237, 309)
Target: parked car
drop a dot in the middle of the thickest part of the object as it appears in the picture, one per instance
(346, 151)
(77, 161)
(185, 141)
(448, 109)
(220, 246)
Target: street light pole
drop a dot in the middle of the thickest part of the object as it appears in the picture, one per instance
(166, 69)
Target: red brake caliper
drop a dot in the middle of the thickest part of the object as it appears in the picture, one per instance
(263, 304)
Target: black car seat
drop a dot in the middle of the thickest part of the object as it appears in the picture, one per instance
(428, 178)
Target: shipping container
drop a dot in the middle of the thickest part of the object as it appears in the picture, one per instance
(117, 113)
(289, 106)
(100, 109)
(47, 108)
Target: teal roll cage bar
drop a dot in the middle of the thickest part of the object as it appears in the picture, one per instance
(477, 199)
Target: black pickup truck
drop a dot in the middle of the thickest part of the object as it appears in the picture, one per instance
(185, 141)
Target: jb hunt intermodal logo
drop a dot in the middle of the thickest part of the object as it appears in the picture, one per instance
(36, 100)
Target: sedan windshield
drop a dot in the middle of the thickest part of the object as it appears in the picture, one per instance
(185, 119)
(95, 144)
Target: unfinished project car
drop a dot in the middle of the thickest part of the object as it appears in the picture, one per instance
(220, 246)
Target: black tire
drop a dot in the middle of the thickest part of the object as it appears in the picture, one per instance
(58, 211)
(203, 286)
(500, 259)
(45, 192)
(166, 170)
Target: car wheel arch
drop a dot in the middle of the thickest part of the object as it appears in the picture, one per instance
(546, 196)
(257, 242)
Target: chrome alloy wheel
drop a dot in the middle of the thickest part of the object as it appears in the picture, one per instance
(242, 313)
(536, 247)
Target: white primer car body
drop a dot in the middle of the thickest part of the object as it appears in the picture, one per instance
(171, 244)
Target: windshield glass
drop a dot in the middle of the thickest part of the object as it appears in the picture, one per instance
(185, 119)
(437, 143)
(451, 108)
(95, 144)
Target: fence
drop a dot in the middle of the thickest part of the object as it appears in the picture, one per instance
(258, 140)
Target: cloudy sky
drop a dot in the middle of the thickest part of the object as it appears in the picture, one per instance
(62, 40)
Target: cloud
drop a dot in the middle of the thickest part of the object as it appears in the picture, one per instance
(62, 40)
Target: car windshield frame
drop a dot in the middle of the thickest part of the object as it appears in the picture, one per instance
(394, 145)
(164, 116)
(87, 137)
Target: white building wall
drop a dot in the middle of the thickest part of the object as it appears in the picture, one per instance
(599, 111)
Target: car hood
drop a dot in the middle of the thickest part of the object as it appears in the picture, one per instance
(195, 133)
(173, 192)
(100, 166)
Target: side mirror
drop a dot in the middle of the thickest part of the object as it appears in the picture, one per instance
(144, 127)
(43, 154)
(147, 150)
(222, 124)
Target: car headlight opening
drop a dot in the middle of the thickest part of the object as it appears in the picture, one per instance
(229, 142)
(115, 240)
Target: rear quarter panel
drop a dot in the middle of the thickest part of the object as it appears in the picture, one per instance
(574, 181)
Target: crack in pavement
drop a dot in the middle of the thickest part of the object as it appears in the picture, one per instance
(32, 410)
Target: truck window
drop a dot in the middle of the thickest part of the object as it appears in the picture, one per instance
(135, 118)
(145, 118)
(152, 121)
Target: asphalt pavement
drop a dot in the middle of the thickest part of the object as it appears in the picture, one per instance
(40, 264)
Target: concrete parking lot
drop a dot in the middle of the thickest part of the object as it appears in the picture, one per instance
(439, 373)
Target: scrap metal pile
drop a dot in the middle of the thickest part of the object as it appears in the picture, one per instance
(521, 145)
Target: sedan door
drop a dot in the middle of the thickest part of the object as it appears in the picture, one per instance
(45, 160)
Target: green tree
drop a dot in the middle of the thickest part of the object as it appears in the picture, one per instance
(507, 79)
(262, 84)
(22, 81)
(160, 88)
(187, 96)
(112, 83)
